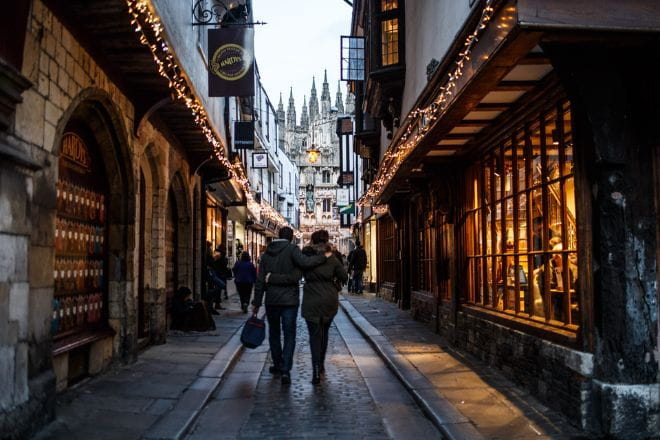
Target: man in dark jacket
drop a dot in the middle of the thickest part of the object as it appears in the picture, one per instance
(282, 300)
(358, 265)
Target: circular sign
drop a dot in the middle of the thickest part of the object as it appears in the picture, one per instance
(231, 62)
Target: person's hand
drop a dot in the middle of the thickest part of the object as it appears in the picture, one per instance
(255, 310)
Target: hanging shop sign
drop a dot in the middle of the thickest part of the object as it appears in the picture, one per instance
(259, 160)
(344, 126)
(346, 178)
(231, 62)
(244, 135)
(343, 197)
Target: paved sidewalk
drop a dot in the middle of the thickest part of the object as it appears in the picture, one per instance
(462, 395)
(126, 401)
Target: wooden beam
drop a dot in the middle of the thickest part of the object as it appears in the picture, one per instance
(589, 15)
(516, 86)
(476, 123)
(460, 136)
(490, 107)
(535, 59)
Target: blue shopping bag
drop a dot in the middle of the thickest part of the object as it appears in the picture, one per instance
(254, 332)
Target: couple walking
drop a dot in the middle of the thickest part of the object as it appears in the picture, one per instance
(280, 270)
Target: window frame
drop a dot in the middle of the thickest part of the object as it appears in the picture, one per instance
(486, 192)
(379, 17)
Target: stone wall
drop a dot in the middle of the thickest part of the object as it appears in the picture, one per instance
(68, 82)
(559, 376)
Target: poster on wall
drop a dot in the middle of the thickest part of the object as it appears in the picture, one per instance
(231, 62)
(259, 160)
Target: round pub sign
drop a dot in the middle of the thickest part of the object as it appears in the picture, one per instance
(231, 62)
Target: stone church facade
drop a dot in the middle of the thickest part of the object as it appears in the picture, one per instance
(318, 179)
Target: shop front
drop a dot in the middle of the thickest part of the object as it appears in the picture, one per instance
(80, 303)
(520, 222)
(89, 243)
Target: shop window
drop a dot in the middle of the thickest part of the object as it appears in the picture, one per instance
(520, 227)
(387, 250)
(425, 248)
(81, 232)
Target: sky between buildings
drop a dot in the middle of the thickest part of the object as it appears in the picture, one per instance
(300, 40)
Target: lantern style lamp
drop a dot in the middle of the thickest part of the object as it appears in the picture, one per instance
(313, 154)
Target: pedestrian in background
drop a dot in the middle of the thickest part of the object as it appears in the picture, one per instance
(358, 265)
(282, 300)
(349, 259)
(221, 268)
(245, 275)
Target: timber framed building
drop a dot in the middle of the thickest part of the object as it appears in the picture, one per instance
(512, 158)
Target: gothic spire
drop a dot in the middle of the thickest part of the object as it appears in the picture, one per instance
(304, 118)
(291, 112)
(326, 101)
(313, 102)
(281, 117)
(339, 101)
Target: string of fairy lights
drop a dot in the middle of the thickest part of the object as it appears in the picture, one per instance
(150, 28)
(419, 120)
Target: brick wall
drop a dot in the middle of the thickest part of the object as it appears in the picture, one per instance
(560, 377)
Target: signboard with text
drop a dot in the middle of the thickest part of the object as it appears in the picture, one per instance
(346, 178)
(244, 135)
(231, 62)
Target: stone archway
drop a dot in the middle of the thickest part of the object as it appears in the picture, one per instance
(179, 218)
(95, 117)
(151, 299)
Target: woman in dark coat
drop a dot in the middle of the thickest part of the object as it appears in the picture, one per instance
(320, 298)
(245, 275)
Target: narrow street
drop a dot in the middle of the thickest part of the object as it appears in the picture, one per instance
(482, 177)
(358, 397)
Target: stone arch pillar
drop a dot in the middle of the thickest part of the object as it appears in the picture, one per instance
(182, 201)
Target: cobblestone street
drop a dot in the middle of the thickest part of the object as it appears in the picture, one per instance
(254, 404)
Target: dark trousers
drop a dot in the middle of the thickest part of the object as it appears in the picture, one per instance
(245, 292)
(358, 287)
(318, 341)
(282, 319)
